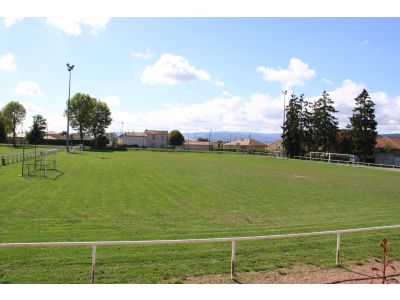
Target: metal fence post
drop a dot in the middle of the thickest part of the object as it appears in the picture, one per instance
(93, 263)
(337, 248)
(233, 258)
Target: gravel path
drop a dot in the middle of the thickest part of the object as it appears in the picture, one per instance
(304, 274)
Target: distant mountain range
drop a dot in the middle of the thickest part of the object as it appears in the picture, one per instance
(227, 136)
(391, 134)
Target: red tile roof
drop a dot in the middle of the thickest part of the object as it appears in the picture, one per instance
(156, 131)
(247, 142)
(135, 134)
(393, 142)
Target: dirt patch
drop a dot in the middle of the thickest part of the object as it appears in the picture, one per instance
(304, 274)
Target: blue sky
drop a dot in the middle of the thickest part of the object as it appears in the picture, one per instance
(199, 74)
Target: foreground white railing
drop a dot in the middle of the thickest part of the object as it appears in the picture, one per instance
(233, 240)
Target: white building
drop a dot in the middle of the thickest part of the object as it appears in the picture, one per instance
(148, 138)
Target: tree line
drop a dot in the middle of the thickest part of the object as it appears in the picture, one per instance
(88, 115)
(313, 126)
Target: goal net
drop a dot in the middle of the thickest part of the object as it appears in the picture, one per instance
(43, 164)
(332, 157)
(75, 149)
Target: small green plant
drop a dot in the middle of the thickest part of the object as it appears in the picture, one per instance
(381, 271)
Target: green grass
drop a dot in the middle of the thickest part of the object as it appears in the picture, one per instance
(140, 195)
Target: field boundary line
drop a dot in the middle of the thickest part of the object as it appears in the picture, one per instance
(233, 240)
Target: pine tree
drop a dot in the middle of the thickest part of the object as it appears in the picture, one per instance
(292, 135)
(325, 124)
(37, 132)
(363, 126)
(307, 126)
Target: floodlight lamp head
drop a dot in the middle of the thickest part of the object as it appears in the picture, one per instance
(70, 67)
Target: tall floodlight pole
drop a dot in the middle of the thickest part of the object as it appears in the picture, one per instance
(284, 118)
(70, 68)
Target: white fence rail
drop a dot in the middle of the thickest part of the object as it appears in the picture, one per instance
(8, 159)
(345, 162)
(233, 240)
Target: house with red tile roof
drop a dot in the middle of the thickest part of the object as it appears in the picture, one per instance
(147, 138)
(245, 144)
(387, 150)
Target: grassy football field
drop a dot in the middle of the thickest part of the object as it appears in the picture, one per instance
(140, 195)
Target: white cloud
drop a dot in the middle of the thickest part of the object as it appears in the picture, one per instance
(387, 109)
(219, 83)
(9, 21)
(327, 81)
(225, 94)
(295, 75)
(258, 113)
(111, 100)
(144, 55)
(31, 108)
(364, 43)
(7, 62)
(172, 69)
(73, 26)
(28, 88)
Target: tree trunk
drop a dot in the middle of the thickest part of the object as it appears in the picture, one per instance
(81, 134)
(14, 136)
(95, 141)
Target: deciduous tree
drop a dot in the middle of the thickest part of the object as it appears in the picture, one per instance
(176, 138)
(100, 119)
(81, 108)
(15, 112)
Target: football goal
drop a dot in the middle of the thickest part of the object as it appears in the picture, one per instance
(332, 157)
(75, 149)
(43, 164)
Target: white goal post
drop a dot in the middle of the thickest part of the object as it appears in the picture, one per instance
(328, 156)
(74, 149)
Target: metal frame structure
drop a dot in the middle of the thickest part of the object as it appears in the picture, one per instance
(328, 155)
(69, 68)
(233, 241)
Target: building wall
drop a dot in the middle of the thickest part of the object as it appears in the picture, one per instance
(133, 140)
(390, 158)
(197, 147)
(157, 140)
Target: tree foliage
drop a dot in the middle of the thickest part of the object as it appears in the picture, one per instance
(100, 119)
(3, 128)
(306, 125)
(292, 131)
(325, 124)
(176, 138)
(15, 113)
(343, 141)
(363, 126)
(38, 130)
(81, 108)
